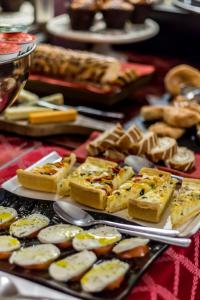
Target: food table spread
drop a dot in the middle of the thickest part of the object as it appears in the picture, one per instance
(178, 265)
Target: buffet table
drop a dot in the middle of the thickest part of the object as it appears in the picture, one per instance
(174, 275)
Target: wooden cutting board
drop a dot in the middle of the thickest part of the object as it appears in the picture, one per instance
(83, 125)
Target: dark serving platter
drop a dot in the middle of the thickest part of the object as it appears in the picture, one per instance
(25, 206)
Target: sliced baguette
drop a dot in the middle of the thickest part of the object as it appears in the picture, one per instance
(183, 160)
(165, 149)
(133, 135)
(148, 141)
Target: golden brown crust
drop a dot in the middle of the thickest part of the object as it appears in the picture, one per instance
(150, 113)
(179, 76)
(162, 129)
(180, 117)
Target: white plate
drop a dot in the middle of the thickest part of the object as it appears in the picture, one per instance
(60, 26)
(13, 186)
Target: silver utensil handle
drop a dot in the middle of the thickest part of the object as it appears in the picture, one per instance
(181, 242)
(99, 113)
(156, 231)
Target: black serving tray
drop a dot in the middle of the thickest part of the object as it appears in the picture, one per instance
(25, 206)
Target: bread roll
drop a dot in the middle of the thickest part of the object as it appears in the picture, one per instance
(132, 136)
(180, 117)
(150, 113)
(165, 149)
(162, 129)
(183, 160)
(148, 141)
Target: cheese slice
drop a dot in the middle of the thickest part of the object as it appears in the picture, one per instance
(22, 112)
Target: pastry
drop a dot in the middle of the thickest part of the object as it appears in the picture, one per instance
(7, 216)
(162, 129)
(149, 140)
(106, 140)
(47, 177)
(71, 65)
(135, 187)
(186, 204)
(151, 205)
(107, 275)
(94, 180)
(151, 113)
(179, 76)
(116, 13)
(7, 245)
(180, 117)
(183, 160)
(114, 155)
(81, 13)
(130, 137)
(164, 150)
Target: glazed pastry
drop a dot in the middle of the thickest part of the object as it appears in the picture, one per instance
(181, 75)
(149, 140)
(186, 204)
(78, 66)
(151, 113)
(106, 140)
(165, 149)
(183, 160)
(116, 13)
(162, 130)
(130, 137)
(180, 117)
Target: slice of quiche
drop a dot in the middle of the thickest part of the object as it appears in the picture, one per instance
(94, 180)
(46, 178)
(150, 205)
(147, 180)
(186, 204)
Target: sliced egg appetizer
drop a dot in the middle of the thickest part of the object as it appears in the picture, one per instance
(7, 245)
(28, 226)
(7, 216)
(73, 266)
(106, 275)
(101, 239)
(37, 257)
(60, 234)
(130, 248)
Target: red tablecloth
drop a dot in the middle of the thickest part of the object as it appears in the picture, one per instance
(174, 275)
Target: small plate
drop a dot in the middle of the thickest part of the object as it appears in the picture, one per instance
(13, 186)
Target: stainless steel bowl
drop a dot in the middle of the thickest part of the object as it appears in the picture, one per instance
(13, 76)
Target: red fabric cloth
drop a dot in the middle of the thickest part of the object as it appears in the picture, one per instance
(175, 275)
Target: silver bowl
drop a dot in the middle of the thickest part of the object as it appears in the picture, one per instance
(13, 76)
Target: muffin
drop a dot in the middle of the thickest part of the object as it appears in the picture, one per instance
(142, 10)
(116, 13)
(81, 13)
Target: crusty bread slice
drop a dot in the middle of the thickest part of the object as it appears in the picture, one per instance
(162, 129)
(183, 160)
(130, 137)
(165, 149)
(149, 140)
(105, 141)
(151, 112)
(46, 178)
(180, 117)
(186, 204)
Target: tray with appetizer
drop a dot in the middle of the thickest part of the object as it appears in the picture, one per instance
(83, 77)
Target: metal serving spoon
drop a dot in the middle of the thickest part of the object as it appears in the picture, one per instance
(191, 93)
(77, 216)
(137, 163)
(8, 290)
